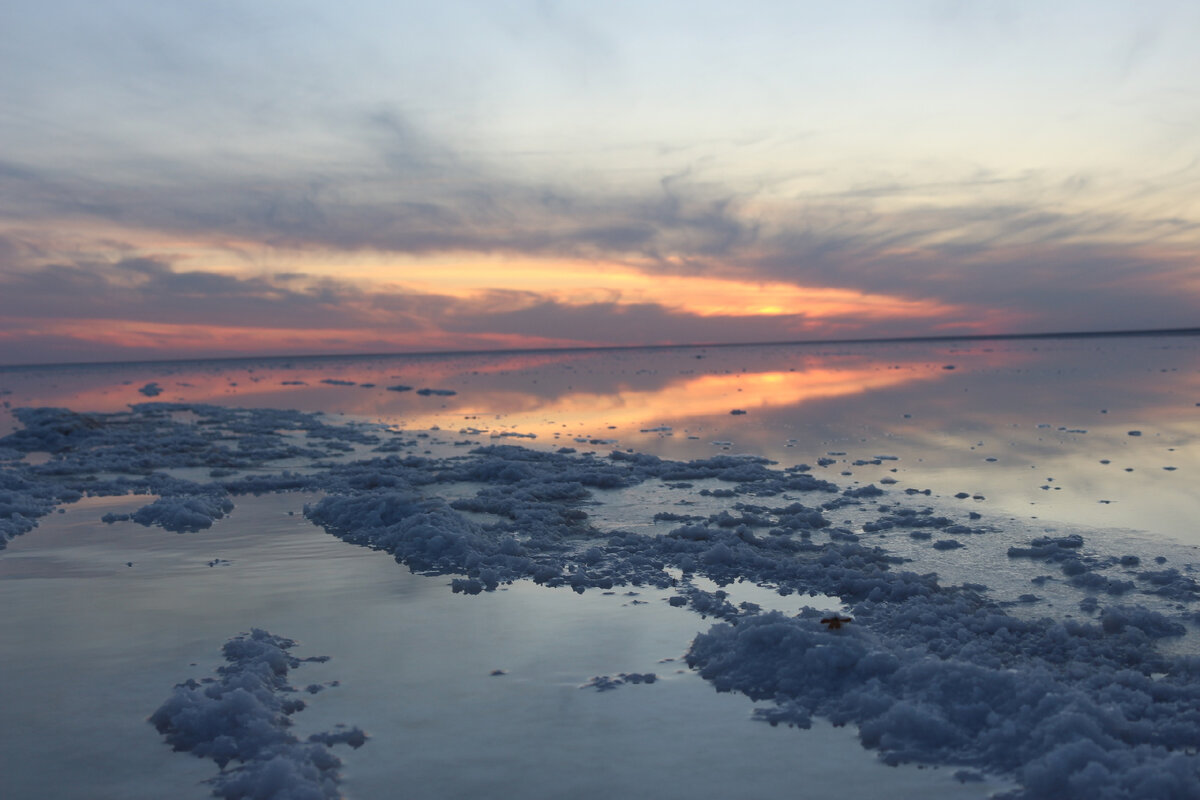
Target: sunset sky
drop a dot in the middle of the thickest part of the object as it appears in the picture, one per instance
(259, 178)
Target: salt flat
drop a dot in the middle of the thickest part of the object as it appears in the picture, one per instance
(1048, 484)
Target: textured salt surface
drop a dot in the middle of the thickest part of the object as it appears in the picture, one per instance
(1070, 705)
(243, 716)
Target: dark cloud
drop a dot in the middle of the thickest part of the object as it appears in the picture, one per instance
(148, 290)
(11, 171)
(1044, 274)
(625, 324)
(10, 250)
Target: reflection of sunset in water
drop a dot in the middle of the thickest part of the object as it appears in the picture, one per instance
(680, 401)
(539, 393)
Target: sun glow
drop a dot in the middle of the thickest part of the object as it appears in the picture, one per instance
(584, 282)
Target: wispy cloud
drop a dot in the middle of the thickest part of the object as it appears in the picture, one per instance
(407, 197)
(166, 165)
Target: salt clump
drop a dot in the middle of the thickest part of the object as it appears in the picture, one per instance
(243, 717)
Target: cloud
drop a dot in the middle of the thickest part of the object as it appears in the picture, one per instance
(998, 268)
(1049, 276)
(397, 190)
(143, 307)
(1043, 253)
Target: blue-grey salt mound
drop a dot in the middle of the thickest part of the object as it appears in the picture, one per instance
(183, 514)
(243, 717)
(1089, 725)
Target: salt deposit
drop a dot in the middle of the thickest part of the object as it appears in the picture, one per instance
(930, 673)
(243, 717)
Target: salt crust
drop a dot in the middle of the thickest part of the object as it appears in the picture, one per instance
(243, 717)
(929, 673)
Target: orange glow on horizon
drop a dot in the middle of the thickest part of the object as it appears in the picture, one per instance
(517, 283)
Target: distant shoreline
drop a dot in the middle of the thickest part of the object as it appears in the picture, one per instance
(609, 348)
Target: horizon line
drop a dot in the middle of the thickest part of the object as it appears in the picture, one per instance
(975, 337)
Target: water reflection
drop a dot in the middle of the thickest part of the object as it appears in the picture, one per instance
(628, 388)
(680, 401)
(1038, 428)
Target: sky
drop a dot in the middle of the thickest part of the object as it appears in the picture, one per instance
(196, 179)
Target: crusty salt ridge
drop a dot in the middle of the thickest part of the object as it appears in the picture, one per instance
(930, 673)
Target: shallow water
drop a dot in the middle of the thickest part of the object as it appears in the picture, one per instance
(92, 645)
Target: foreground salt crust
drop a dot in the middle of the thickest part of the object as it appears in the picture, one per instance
(244, 715)
(930, 673)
